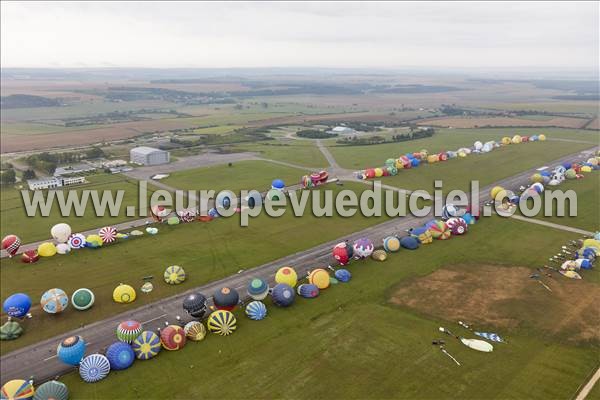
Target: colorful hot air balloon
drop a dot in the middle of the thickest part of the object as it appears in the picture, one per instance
(61, 232)
(17, 389)
(226, 298)
(439, 229)
(51, 390)
(172, 337)
(77, 241)
(343, 275)
(54, 301)
(12, 330)
(146, 345)
(256, 310)
(120, 356)
(17, 305)
(71, 350)
(391, 244)
(283, 295)
(286, 275)
(30, 256)
(450, 210)
(93, 241)
(158, 212)
(11, 244)
(308, 291)
(363, 247)
(457, 226)
(195, 330)
(174, 275)
(258, 289)
(108, 234)
(46, 249)
(320, 278)
(222, 322)
(127, 331)
(343, 253)
(124, 294)
(82, 299)
(195, 305)
(94, 368)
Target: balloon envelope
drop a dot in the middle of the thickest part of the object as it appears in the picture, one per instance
(256, 310)
(11, 244)
(94, 368)
(54, 301)
(61, 232)
(195, 305)
(283, 295)
(146, 345)
(17, 305)
(120, 356)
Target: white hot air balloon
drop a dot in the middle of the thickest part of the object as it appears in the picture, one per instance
(61, 232)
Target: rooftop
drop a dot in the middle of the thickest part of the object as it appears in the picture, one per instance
(146, 150)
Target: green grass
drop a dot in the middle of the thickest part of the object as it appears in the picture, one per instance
(241, 175)
(216, 130)
(350, 343)
(207, 251)
(15, 220)
(300, 152)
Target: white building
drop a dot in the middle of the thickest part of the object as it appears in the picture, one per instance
(342, 130)
(73, 169)
(114, 163)
(148, 156)
(54, 182)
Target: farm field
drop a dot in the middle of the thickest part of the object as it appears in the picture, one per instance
(246, 175)
(357, 333)
(208, 251)
(476, 122)
(16, 221)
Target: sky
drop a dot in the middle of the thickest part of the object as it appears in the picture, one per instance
(299, 34)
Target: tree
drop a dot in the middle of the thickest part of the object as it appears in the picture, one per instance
(8, 177)
(29, 174)
(94, 152)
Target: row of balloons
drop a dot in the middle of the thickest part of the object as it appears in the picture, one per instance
(411, 160)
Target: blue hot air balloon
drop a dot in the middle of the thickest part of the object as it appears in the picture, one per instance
(94, 368)
(258, 289)
(308, 290)
(409, 242)
(283, 295)
(51, 390)
(71, 350)
(256, 310)
(277, 184)
(17, 305)
(343, 275)
(120, 355)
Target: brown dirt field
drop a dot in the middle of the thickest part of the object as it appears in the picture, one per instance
(465, 122)
(505, 297)
(594, 124)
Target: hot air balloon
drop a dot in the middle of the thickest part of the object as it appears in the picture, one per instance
(173, 337)
(256, 310)
(46, 249)
(146, 345)
(409, 242)
(458, 226)
(17, 305)
(286, 275)
(277, 184)
(63, 248)
(124, 294)
(391, 244)
(30, 256)
(51, 390)
(450, 210)
(82, 299)
(320, 278)
(422, 234)
(151, 230)
(108, 234)
(120, 356)
(94, 368)
(195, 305)
(17, 389)
(147, 287)
(127, 331)
(71, 350)
(308, 291)
(343, 253)
(258, 289)
(379, 255)
(226, 298)
(283, 295)
(173, 220)
(77, 241)
(222, 322)
(10, 330)
(438, 229)
(343, 275)
(158, 212)
(93, 241)
(61, 232)
(363, 247)
(195, 330)
(54, 301)
(11, 244)
(223, 199)
(174, 275)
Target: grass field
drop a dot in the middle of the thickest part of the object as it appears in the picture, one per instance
(300, 152)
(207, 251)
(352, 343)
(246, 175)
(16, 221)
(475, 122)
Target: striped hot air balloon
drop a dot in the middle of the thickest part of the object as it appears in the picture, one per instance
(54, 390)
(457, 226)
(173, 337)
(94, 368)
(71, 350)
(108, 234)
(17, 389)
(127, 331)
(120, 356)
(146, 345)
(308, 290)
(195, 331)
(319, 277)
(391, 244)
(11, 244)
(222, 322)
(54, 301)
(256, 310)
(174, 275)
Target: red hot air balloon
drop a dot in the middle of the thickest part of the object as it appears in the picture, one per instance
(30, 256)
(343, 252)
(11, 244)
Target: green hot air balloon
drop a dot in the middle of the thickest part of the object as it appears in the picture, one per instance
(51, 390)
(10, 330)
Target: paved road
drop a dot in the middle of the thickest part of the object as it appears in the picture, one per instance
(589, 385)
(553, 225)
(40, 360)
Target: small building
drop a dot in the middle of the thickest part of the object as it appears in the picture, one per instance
(54, 182)
(74, 169)
(342, 130)
(114, 163)
(148, 156)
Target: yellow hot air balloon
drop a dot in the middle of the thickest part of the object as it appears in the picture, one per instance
(462, 154)
(506, 140)
(542, 137)
(398, 164)
(433, 158)
(18, 389)
(47, 249)
(378, 172)
(586, 168)
(536, 178)
(516, 139)
(124, 294)
(320, 278)
(495, 191)
(286, 275)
